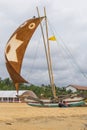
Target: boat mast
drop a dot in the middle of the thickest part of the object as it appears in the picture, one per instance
(44, 44)
(50, 62)
(48, 57)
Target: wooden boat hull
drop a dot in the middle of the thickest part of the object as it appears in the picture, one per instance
(77, 104)
(71, 104)
(73, 99)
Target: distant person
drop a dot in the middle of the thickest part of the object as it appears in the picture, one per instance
(63, 104)
(60, 104)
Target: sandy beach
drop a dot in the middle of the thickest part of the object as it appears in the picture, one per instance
(20, 116)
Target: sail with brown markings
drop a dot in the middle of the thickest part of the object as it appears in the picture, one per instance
(16, 47)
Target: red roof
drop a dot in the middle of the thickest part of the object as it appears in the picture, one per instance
(79, 87)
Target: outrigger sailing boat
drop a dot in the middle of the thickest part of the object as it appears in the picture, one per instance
(14, 54)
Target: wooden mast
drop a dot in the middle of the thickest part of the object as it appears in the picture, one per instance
(48, 57)
(50, 62)
(44, 45)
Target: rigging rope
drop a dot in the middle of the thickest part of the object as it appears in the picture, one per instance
(70, 54)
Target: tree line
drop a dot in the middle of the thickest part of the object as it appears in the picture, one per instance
(44, 91)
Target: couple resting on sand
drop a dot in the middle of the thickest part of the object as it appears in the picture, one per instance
(63, 104)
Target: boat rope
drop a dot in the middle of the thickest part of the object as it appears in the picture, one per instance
(69, 53)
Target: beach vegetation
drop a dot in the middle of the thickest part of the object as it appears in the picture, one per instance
(44, 91)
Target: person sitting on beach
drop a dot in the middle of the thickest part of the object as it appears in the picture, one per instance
(63, 104)
(60, 104)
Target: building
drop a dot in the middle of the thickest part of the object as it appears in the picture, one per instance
(10, 96)
(75, 88)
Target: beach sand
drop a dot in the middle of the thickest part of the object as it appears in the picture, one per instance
(20, 116)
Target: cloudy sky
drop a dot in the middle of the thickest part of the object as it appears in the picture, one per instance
(67, 19)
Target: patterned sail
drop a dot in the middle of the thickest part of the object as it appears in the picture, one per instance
(16, 46)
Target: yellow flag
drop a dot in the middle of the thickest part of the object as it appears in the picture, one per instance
(53, 38)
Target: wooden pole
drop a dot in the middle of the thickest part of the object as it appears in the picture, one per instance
(45, 46)
(49, 56)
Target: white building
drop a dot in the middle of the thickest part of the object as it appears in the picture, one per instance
(10, 96)
(75, 88)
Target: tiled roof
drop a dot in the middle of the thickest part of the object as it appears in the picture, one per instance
(79, 87)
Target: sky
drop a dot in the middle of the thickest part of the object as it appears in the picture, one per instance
(68, 21)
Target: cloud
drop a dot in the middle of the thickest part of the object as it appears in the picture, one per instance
(68, 21)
